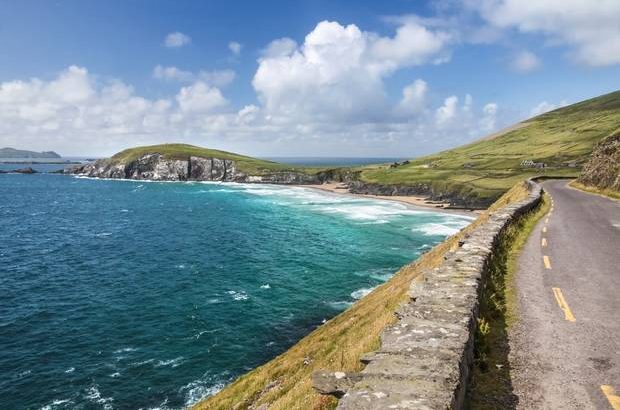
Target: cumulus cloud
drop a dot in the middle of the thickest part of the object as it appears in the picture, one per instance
(281, 47)
(591, 29)
(447, 111)
(177, 39)
(322, 96)
(218, 78)
(525, 61)
(413, 100)
(235, 47)
(200, 97)
(75, 112)
(545, 106)
(338, 71)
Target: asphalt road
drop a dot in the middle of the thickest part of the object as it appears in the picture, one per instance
(565, 348)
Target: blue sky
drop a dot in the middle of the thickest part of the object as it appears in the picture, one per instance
(398, 78)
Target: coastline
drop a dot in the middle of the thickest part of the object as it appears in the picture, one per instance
(339, 188)
(412, 201)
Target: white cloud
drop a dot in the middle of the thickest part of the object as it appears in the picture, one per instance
(487, 122)
(279, 48)
(545, 106)
(200, 97)
(525, 61)
(414, 98)
(447, 111)
(590, 27)
(338, 71)
(321, 97)
(218, 78)
(235, 47)
(177, 39)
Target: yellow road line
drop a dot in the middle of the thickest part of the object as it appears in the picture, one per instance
(543, 243)
(547, 262)
(544, 229)
(568, 315)
(547, 220)
(611, 395)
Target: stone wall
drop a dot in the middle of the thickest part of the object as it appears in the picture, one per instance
(425, 358)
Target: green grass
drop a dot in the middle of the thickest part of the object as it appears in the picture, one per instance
(285, 382)
(249, 165)
(609, 193)
(490, 386)
(488, 167)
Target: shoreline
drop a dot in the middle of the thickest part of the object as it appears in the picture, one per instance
(412, 201)
(418, 202)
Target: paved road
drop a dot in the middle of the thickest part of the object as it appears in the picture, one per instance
(565, 350)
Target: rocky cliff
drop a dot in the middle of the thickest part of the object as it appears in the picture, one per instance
(603, 168)
(156, 167)
(455, 199)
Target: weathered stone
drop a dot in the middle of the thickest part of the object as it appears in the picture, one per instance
(425, 358)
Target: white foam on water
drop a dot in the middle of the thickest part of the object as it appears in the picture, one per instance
(265, 286)
(360, 293)
(436, 229)
(58, 402)
(94, 395)
(125, 350)
(177, 361)
(241, 295)
(340, 305)
(198, 390)
(142, 363)
(70, 370)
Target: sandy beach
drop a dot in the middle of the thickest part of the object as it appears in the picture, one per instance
(417, 201)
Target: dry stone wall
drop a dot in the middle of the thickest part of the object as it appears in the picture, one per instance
(425, 358)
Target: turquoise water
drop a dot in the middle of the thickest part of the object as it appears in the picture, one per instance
(128, 294)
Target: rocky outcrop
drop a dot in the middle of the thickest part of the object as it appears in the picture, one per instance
(426, 357)
(20, 171)
(455, 199)
(156, 167)
(603, 168)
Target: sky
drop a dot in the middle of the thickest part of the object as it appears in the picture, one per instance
(335, 78)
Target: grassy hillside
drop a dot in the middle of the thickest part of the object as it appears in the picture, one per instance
(488, 167)
(253, 166)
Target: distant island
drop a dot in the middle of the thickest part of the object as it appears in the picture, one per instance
(12, 153)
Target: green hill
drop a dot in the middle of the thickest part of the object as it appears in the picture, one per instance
(20, 153)
(249, 165)
(563, 139)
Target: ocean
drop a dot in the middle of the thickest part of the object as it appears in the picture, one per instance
(134, 294)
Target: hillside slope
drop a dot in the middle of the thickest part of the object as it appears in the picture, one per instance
(20, 153)
(480, 172)
(185, 151)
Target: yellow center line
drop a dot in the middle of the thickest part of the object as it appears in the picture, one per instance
(543, 243)
(544, 229)
(547, 220)
(568, 315)
(547, 262)
(611, 395)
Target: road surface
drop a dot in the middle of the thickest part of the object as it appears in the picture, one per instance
(565, 349)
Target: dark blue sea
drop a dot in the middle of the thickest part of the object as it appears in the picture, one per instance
(132, 294)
